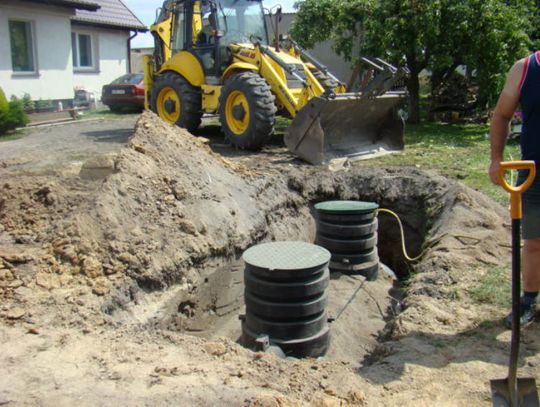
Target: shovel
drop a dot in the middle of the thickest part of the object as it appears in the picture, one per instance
(513, 391)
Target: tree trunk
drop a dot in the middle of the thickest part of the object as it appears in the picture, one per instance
(435, 81)
(413, 86)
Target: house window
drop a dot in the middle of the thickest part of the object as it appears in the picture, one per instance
(83, 51)
(22, 46)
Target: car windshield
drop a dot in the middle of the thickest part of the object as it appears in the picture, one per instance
(241, 20)
(129, 79)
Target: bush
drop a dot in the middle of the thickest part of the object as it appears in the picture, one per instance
(12, 113)
(44, 104)
(28, 103)
(17, 115)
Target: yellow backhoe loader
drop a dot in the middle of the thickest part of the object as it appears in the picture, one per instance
(214, 56)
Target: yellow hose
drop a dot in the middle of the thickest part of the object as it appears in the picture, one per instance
(402, 233)
(404, 249)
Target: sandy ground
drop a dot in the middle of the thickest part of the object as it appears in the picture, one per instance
(120, 282)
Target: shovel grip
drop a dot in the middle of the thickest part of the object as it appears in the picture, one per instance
(516, 191)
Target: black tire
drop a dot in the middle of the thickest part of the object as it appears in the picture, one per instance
(115, 109)
(325, 81)
(190, 110)
(253, 98)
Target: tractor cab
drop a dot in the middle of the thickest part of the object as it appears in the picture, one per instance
(206, 28)
(242, 21)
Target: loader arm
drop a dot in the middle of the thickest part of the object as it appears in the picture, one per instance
(329, 124)
(293, 100)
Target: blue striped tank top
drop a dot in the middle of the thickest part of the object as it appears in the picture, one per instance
(530, 107)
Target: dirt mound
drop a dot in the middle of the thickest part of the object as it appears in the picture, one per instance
(90, 254)
(170, 202)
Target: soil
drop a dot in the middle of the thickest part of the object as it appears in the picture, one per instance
(121, 276)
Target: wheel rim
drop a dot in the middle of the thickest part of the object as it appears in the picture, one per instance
(237, 112)
(168, 105)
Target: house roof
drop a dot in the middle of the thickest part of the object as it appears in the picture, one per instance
(86, 5)
(113, 14)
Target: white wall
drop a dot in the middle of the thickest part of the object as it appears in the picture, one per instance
(55, 77)
(112, 54)
(52, 41)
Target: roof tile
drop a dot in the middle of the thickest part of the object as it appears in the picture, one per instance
(112, 13)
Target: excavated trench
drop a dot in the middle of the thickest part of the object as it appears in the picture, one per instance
(180, 227)
(211, 306)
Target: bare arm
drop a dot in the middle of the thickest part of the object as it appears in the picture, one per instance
(502, 116)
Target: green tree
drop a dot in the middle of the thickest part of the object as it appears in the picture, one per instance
(507, 25)
(438, 35)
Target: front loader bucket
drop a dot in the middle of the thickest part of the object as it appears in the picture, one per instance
(347, 125)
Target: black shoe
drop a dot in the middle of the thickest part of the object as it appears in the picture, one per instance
(527, 313)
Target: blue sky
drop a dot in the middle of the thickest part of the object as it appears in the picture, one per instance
(145, 10)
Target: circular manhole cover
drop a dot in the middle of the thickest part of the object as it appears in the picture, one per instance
(346, 207)
(287, 255)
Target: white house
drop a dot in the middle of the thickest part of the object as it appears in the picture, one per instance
(48, 48)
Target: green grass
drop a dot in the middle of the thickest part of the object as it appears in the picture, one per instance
(460, 152)
(493, 288)
(457, 151)
(13, 135)
(281, 125)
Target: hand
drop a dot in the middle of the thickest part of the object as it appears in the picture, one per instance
(494, 170)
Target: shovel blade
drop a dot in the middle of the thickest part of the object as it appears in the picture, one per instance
(526, 393)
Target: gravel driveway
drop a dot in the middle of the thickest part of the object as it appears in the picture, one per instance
(73, 142)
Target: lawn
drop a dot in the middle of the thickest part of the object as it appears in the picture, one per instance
(13, 135)
(457, 151)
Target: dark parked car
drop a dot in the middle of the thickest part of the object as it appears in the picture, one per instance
(125, 91)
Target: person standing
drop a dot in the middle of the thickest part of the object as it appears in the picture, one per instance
(522, 87)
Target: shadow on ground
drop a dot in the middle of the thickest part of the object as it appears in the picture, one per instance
(479, 344)
(109, 136)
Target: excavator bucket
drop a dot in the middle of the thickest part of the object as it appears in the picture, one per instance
(347, 125)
